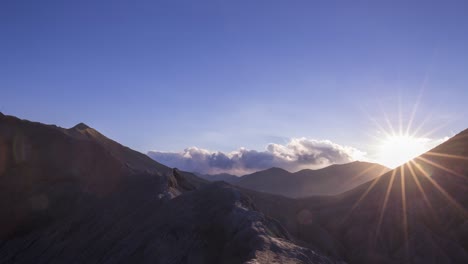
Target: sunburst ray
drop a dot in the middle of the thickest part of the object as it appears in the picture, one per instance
(404, 210)
(384, 206)
(421, 190)
(373, 166)
(387, 120)
(440, 167)
(356, 204)
(415, 107)
(435, 129)
(447, 196)
(421, 125)
(443, 155)
(376, 123)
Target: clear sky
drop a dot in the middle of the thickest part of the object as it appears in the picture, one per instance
(220, 75)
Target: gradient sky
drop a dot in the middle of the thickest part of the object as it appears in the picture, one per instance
(219, 75)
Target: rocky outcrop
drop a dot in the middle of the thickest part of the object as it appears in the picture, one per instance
(75, 196)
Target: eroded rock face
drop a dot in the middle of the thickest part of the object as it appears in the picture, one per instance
(215, 224)
(75, 196)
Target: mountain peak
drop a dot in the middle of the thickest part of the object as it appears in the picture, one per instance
(275, 169)
(81, 126)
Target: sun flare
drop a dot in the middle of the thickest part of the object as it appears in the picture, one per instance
(398, 149)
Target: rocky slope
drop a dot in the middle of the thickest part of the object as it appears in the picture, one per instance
(75, 196)
(416, 213)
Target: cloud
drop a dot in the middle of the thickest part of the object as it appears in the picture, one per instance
(297, 154)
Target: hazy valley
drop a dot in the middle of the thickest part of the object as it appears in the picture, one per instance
(330, 180)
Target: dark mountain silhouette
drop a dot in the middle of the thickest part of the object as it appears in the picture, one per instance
(75, 196)
(226, 177)
(416, 213)
(333, 179)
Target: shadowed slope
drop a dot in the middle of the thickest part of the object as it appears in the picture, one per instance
(73, 195)
(47, 167)
(132, 159)
(226, 177)
(416, 213)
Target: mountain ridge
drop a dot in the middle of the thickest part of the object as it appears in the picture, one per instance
(415, 213)
(333, 179)
(64, 192)
(76, 188)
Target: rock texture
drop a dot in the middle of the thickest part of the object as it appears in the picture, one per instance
(75, 196)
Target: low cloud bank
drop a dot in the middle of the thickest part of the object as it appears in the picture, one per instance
(297, 154)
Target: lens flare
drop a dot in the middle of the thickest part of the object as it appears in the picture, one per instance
(398, 149)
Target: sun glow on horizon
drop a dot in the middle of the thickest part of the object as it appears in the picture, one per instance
(400, 139)
(398, 145)
(395, 150)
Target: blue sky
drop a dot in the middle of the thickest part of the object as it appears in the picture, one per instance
(220, 75)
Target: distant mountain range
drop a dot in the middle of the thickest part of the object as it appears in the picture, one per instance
(75, 196)
(416, 213)
(333, 179)
(229, 178)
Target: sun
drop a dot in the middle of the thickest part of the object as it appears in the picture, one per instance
(395, 150)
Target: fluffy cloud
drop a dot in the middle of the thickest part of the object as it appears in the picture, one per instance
(299, 153)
